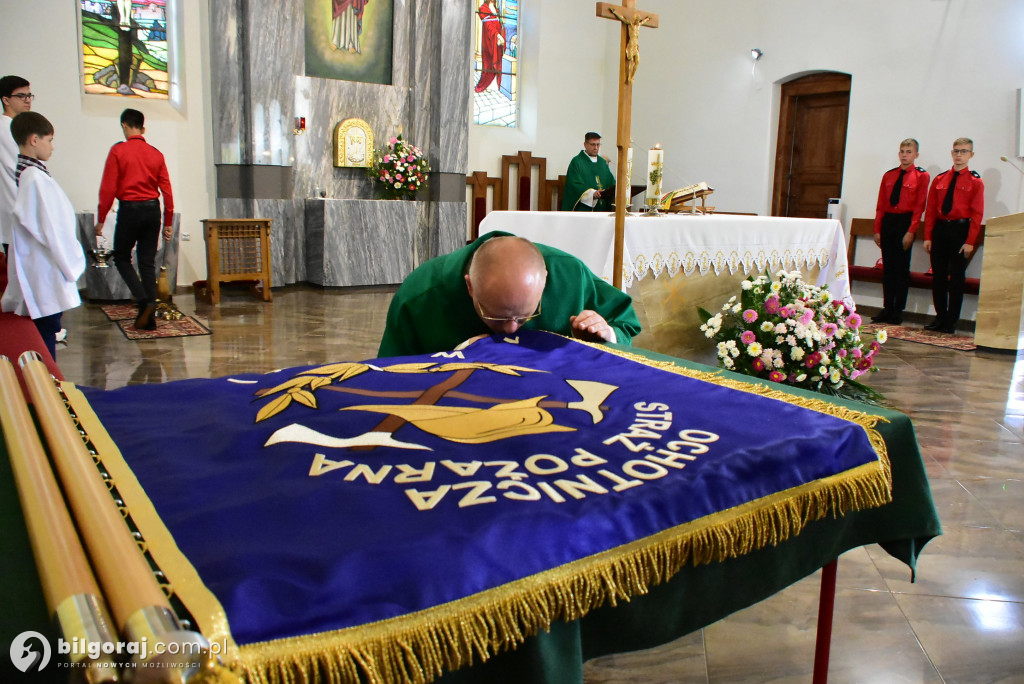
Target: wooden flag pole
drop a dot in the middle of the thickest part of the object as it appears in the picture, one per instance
(632, 19)
(142, 612)
(72, 595)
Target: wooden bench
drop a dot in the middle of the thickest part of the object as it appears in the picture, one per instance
(861, 227)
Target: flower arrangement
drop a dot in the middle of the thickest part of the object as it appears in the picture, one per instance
(794, 333)
(400, 169)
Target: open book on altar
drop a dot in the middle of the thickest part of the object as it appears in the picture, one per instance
(676, 200)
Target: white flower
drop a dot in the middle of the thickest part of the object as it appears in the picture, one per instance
(754, 349)
(796, 353)
(882, 336)
(732, 300)
(776, 286)
(780, 329)
(801, 377)
(727, 362)
(835, 376)
(736, 308)
(767, 326)
(734, 351)
(745, 285)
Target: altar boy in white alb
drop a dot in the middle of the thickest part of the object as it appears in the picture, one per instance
(45, 259)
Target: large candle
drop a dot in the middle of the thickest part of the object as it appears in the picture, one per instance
(655, 164)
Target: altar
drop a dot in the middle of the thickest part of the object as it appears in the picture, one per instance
(677, 262)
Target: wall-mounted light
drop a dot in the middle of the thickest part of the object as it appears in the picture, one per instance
(755, 54)
(300, 125)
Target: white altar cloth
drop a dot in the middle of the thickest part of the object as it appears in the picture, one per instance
(689, 243)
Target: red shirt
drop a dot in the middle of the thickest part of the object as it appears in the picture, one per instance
(135, 172)
(912, 196)
(968, 202)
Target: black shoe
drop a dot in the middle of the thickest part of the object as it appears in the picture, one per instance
(146, 320)
(935, 325)
(949, 329)
(881, 317)
(895, 319)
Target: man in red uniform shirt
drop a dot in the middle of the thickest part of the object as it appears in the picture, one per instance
(901, 200)
(136, 175)
(952, 223)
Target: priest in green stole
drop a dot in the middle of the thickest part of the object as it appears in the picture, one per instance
(589, 183)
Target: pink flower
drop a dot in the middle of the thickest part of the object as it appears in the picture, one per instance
(856, 353)
(785, 312)
(839, 307)
(812, 360)
(865, 363)
(771, 305)
(854, 321)
(829, 329)
(749, 316)
(748, 337)
(777, 376)
(387, 158)
(874, 346)
(758, 364)
(393, 141)
(841, 353)
(807, 317)
(399, 177)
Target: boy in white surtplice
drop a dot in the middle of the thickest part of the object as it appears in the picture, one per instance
(45, 258)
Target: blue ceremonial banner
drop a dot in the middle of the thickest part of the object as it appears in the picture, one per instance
(412, 513)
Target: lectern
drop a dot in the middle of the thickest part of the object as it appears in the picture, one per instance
(1000, 322)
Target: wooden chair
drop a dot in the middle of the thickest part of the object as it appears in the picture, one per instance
(479, 183)
(525, 163)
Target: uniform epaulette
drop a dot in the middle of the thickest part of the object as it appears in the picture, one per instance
(920, 169)
(895, 168)
(944, 172)
(975, 174)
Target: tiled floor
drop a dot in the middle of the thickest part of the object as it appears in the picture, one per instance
(962, 621)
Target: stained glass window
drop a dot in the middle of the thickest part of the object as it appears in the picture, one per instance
(125, 50)
(496, 63)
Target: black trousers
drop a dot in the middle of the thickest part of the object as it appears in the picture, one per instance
(48, 327)
(949, 268)
(895, 262)
(138, 223)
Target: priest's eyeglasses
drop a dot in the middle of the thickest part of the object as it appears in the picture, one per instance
(518, 320)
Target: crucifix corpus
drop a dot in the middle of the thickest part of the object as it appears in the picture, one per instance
(632, 19)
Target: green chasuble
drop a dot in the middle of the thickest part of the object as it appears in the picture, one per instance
(432, 310)
(582, 175)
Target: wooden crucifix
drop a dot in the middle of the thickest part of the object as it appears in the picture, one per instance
(632, 19)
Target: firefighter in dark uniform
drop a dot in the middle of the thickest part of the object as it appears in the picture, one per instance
(952, 224)
(898, 213)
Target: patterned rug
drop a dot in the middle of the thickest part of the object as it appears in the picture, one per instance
(922, 336)
(124, 316)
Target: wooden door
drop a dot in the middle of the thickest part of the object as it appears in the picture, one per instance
(812, 145)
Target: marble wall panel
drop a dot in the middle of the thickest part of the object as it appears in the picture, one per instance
(453, 87)
(361, 242)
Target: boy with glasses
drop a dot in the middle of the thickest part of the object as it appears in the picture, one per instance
(16, 97)
(956, 202)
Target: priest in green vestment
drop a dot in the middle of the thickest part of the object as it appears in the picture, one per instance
(497, 285)
(589, 183)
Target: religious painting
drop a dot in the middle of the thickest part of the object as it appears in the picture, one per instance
(350, 40)
(496, 63)
(353, 143)
(125, 50)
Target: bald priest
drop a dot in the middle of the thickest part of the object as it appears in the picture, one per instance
(497, 285)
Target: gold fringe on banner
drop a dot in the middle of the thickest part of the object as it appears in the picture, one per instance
(420, 646)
